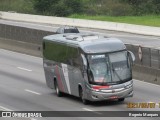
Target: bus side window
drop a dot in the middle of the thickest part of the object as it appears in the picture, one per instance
(73, 57)
(76, 58)
(68, 60)
(55, 52)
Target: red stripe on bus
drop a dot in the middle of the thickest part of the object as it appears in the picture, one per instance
(59, 79)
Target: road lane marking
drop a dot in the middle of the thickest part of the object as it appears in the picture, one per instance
(5, 109)
(32, 92)
(25, 69)
(86, 109)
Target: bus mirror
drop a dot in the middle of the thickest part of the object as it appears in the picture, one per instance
(132, 56)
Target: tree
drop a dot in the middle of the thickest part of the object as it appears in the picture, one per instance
(44, 6)
(144, 7)
(58, 7)
(76, 6)
(157, 6)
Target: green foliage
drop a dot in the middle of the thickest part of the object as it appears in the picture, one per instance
(89, 7)
(58, 7)
(44, 6)
(23, 6)
(107, 7)
(143, 7)
(76, 6)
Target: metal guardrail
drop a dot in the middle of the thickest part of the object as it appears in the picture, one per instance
(145, 56)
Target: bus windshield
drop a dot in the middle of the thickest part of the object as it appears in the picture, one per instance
(99, 69)
(109, 68)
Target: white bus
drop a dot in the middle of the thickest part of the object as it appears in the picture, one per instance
(88, 66)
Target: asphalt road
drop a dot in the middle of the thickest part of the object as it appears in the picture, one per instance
(23, 88)
(153, 41)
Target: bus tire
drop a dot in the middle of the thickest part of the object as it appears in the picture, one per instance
(121, 99)
(58, 92)
(84, 101)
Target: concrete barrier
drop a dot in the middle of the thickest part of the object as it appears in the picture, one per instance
(146, 74)
(23, 40)
(138, 29)
(21, 47)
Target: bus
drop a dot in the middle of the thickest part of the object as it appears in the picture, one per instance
(89, 66)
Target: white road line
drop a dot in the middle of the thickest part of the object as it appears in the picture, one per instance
(21, 68)
(32, 92)
(86, 109)
(5, 109)
(147, 83)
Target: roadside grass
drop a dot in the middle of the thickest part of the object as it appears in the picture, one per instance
(21, 6)
(150, 20)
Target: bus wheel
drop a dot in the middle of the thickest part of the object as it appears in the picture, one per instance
(121, 99)
(82, 97)
(59, 94)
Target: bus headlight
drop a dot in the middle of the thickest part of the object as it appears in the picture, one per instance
(98, 87)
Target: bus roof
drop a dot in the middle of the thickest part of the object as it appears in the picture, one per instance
(89, 43)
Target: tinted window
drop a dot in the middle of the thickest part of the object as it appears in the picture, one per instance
(55, 52)
(71, 30)
(73, 56)
(61, 53)
(44, 45)
(58, 30)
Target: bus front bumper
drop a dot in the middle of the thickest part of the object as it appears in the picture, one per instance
(100, 96)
